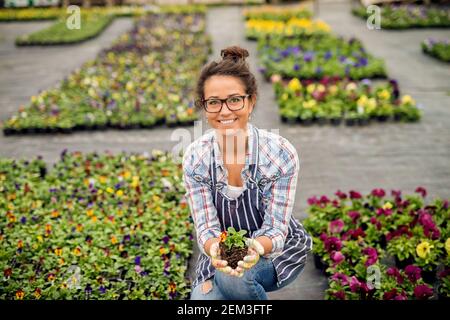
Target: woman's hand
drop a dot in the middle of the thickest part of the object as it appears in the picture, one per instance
(255, 250)
(221, 265)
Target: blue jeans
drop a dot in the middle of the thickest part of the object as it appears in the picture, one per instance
(253, 285)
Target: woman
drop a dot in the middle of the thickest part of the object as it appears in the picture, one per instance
(238, 175)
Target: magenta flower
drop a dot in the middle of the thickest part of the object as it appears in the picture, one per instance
(341, 195)
(422, 191)
(340, 278)
(335, 203)
(324, 200)
(396, 193)
(333, 244)
(394, 272)
(355, 195)
(386, 212)
(354, 215)
(375, 222)
(355, 284)
(423, 292)
(323, 237)
(372, 256)
(379, 193)
(313, 201)
(445, 205)
(337, 257)
(413, 273)
(394, 295)
(354, 234)
(340, 295)
(336, 226)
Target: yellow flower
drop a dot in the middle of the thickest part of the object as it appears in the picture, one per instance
(309, 104)
(58, 251)
(40, 239)
(310, 88)
(20, 294)
(447, 246)
(284, 97)
(384, 94)
(110, 190)
(295, 85)
(127, 174)
(423, 249)
(55, 214)
(119, 193)
(113, 240)
(103, 179)
(362, 101)
(387, 205)
(406, 99)
(333, 89)
(90, 212)
(37, 293)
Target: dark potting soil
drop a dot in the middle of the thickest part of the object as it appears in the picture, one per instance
(232, 256)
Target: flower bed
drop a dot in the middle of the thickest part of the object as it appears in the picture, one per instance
(277, 13)
(409, 16)
(144, 79)
(334, 101)
(439, 49)
(96, 227)
(30, 14)
(294, 27)
(316, 57)
(58, 33)
(405, 241)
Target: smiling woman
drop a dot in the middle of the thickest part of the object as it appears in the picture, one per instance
(251, 187)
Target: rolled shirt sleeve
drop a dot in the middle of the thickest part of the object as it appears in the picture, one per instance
(279, 210)
(199, 198)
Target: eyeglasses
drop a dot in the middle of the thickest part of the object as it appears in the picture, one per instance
(233, 103)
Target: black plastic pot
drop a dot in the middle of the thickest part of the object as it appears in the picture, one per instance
(350, 122)
(306, 122)
(335, 121)
(319, 263)
(429, 276)
(401, 264)
(382, 118)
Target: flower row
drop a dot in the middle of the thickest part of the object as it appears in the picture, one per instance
(333, 100)
(259, 28)
(143, 79)
(381, 246)
(408, 16)
(277, 13)
(437, 48)
(59, 33)
(316, 57)
(95, 227)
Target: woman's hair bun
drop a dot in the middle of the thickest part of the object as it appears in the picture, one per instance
(235, 53)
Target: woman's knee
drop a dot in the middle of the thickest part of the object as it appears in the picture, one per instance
(206, 291)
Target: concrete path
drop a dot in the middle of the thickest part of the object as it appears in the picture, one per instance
(391, 155)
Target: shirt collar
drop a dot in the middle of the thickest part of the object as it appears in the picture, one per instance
(250, 157)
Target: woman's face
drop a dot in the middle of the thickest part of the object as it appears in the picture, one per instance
(228, 122)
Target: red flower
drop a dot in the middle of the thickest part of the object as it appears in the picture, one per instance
(394, 272)
(340, 295)
(423, 292)
(422, 191)
(379, 193)
(372, 256)
(341, 195)
(333, 244)
(413, 272)
(355, 195)
(340, 278)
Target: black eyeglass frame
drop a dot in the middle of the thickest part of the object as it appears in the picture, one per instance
(225, 100)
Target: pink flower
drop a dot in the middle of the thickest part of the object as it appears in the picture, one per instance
(354, 215)
(137, 268)
(340, 295)
(394, 272)
(413, 272)
(382, 211)
(422, 191)
(355, 285)
(341, 195)
(323, 237)
(324, 200)
(313, 201)
(372, 256)
(340, 278)
(336, 226)
(394, 295)
(335, 203)
(423, 292)
(396, 193)
(375, 222)
(379, 193)
(337, 257)
(355, 195)
(333, 244)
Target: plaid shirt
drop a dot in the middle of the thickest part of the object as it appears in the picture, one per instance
(277, 180)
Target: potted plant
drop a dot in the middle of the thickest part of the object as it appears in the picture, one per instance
(232, 246)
